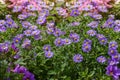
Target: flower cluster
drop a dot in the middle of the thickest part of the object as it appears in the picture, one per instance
(86, 46)
(23, 5)
(93, 5)
(23, 70)
(4, 47)
(7, 23)
(102, 39)
(77, 58)
(47, 50)
(112, 68)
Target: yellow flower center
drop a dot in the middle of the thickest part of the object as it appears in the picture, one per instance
(10, 22)
(58, 41)
(66, 41)
(49, 54)
(103, 40)
(16, 40)
(46, 48)
(86, 47)
(113, 45)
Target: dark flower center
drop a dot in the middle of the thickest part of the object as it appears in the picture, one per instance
(46, 48)
(78, 58)
(59, 41)
(111, 72)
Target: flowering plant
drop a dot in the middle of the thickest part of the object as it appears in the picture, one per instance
(43, 41)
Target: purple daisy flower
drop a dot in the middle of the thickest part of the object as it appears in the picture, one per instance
(22, 16)
(15, 25)
(101, 59)
(99, 36)
(93, 24)
(27, 32)
(33, 27)
(74, 12)
(26, 24)
(58, 42)
(20, 36)
(42, 15)
(77, 58)
(3, 29)
(9, 23)
(74, 37)
(28, 75)
(50, 30)
(113, 45)
(113, 71)
(97, 16)
(26, 43)
(31, 7)
(45, 11)
(8, 16)
(46, 47)
(58, 32)
(22, 69)
(87, 41)
(67, 41)
(103, 41)
(109, 23)
(91, 32)
(86, 48)
(37, 37)
(49, 54)
(113, 62)
(116, 57)
(36, 32)
(19, 69)
(4, 47)
(102, 8)
(31, 14)
(50, 25)
(2, 22)
(41, 20)
(74, 24)
(16, 40)
(17, 8)
(88, 7)
(117, 22)
(61, 11)
(117, 28)
(112, 51)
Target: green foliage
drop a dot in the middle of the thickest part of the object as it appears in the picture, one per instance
(4, 10)
(61, 66)
(115, 10)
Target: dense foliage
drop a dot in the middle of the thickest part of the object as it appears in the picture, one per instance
(59, 43)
